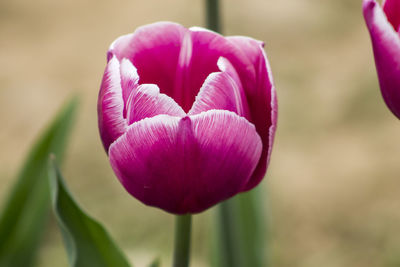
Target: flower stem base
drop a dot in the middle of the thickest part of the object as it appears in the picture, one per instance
(183, 227)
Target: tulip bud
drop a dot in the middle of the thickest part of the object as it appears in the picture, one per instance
(384, 27)
(186, 116)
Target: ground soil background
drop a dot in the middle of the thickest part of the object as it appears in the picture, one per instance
(332, 189)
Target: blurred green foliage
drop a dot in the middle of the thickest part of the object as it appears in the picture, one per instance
(25, 213)
(86, 241)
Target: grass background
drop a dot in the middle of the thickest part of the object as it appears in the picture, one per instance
(332, 189)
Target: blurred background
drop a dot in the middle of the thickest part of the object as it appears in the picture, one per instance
(332, 189)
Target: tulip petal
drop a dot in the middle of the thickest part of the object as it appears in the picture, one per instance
(261, 97)
(186, 165)
(221, 90)
(111, 105)
(179, 60)
(215, 46)
(386, 46)
(392, 11)
(183, 91)
(147, 102)
(154, 50)
(129, 80)
(208, 47)
(249, 60)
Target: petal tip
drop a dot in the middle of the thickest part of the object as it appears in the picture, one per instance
(368, 6)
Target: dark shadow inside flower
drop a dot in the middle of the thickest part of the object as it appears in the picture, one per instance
(392, 11)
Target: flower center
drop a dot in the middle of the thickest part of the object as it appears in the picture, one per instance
(179, 69)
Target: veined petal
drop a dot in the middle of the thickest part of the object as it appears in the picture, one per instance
(240, 95)
(147, 101)
(208, 48)
(221, 90)
(110, 105)
(179, 60)
(261, 97)
(186, 165)
(217, 46)
(118, 46)
(250, 62)
(386, 46)
(214, 45)
(129, 80)
(392, 11)
(154, 50)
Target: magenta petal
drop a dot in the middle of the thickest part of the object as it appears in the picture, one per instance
(221, 90)
(129, 80)
(154, 50)
(186, 165)
(110, 105)
(206, 50)
(261, 97)
(386, 46)
(208, 47)
(183, 90)
(215, 46)
(147, 102)
(392, 11)
(218, 92)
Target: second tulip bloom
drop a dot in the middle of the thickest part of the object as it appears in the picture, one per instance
(384, 27)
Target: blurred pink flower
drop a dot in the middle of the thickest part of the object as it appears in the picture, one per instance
(384, 27)
(186, 116)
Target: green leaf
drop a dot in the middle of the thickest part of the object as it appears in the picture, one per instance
(24, 215)
(86, 241)
(155, 263)
(240, 235)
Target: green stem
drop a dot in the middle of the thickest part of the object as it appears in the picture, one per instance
(213, 21)
(228, 247)
(183, 226)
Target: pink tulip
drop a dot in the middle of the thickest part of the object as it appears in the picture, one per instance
(187, 116)
(384, 27)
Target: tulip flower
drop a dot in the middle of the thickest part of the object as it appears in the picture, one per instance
(384, 27)
(186, 116)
